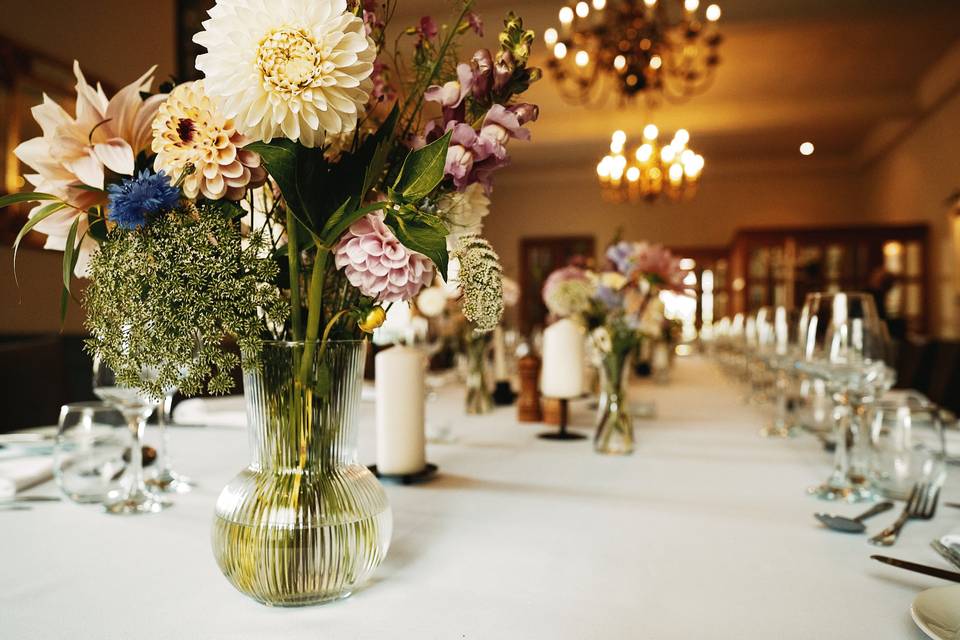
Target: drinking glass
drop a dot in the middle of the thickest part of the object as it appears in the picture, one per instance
(88, 457)
(846, 346)
(132, 497)
(165, 479)
(781, 357)
(909, 446)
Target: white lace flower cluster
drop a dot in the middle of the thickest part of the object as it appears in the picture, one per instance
(481, 279)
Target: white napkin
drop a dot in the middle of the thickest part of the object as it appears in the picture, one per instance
(22, 473)
(230, 411)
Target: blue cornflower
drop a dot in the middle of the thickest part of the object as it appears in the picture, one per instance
(134, 200)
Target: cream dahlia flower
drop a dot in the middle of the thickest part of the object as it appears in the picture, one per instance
(190, 131)
(293, 68)
(76, 150)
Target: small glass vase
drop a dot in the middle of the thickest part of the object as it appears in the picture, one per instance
(615, 434)
(479, 397)
(305, 523)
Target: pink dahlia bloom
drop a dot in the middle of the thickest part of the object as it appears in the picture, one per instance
(378, 264)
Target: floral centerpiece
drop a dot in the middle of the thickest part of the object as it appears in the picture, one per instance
(314, 177)
(619, 307)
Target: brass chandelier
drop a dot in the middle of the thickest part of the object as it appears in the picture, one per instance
(660, 49)
(651, 170)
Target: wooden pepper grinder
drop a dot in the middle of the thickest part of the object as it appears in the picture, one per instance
(528, 405)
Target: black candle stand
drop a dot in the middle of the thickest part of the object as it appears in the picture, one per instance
(563, 434)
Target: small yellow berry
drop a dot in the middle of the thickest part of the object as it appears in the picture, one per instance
(374, 320)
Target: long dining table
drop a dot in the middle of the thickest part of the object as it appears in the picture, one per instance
(706, 531)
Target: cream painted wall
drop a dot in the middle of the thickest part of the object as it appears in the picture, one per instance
(568, 202)
(910, 183)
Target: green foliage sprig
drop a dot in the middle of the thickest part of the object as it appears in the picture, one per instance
(163, 298)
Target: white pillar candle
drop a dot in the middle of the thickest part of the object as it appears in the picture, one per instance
(562, 374)
(401, 443)
(500, 371)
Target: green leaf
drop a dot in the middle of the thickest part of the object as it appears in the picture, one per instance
(86, 187)
(280, 159)
(64, 302)
(423, 170)
(423, 233)
(381, 143)
(17, 198)
(70, 255)
(39, 217)
(98, 227)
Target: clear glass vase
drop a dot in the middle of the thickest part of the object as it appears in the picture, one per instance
(305, 523)
(479, 397)
(614, 424)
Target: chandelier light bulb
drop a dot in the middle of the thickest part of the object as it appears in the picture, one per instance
(649, 171)
(603, 169)
(599, 5)
(807, 149)
(676, 173)
(566, 15)
(560, 51)
(656, 62)
(650, 3)
(691, 5)
(582, 58)
(550, 36)
(713, 12)
(620, 63)
(583, 9)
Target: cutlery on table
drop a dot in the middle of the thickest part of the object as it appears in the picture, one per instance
(921, 505)
(15, 507)
(943, 574)
(955, 505)
(852, 525)
(947, 553)
(24, 499)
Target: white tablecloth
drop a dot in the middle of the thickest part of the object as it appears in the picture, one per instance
(705, 532)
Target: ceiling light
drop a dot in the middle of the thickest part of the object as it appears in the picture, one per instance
(807, 149)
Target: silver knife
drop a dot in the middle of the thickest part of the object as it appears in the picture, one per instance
(947, 553)
(952, 576)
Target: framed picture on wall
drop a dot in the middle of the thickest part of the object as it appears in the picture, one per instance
(190, 15)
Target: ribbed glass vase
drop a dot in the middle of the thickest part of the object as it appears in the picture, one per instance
(614, 424)
(305, 523)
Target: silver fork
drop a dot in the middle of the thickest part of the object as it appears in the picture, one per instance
(921, 505)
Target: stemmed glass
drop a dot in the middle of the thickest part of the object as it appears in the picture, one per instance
(846, 346)
(133, 497)
(781, 354)
(165, 479)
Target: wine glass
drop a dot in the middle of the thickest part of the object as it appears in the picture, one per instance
(133, 497)
(780, 355)
(846, 346)
(165, 479)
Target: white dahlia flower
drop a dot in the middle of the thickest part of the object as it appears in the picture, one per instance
(298, 69)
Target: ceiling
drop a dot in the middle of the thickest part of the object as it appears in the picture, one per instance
(832, 72)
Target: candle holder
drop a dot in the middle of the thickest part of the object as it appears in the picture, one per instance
(407, 479)
(503, 394)
(562, 434)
